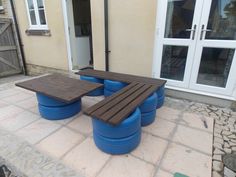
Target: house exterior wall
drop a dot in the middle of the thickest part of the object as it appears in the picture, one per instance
(131, 35)
(44, 51)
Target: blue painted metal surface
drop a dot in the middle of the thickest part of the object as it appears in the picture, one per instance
(117, 146)
(97, 92)
(148, 118)
(126, 128)
(60, 112)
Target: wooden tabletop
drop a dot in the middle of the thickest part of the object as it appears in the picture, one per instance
(60, 87)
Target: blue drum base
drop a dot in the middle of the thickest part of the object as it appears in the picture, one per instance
(160, 97)
(60, 112)
(148, 118)
(126, 128)
(160, 102)
(113, 86)
(48, 101)
(149, 104)
(97, 92)
(117, 146)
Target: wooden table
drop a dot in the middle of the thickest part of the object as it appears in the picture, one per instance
(59, 87)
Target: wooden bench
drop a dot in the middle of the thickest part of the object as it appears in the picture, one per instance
(117, 107)
(127, 78)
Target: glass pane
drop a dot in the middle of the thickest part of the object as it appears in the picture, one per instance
(215, 66)
(0, 2)
(173, 62)
(179, 17)
(32, 17)
(40, 3)
(42, 17)
(222, 20)
(30, 4)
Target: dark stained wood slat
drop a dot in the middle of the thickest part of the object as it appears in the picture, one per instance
(121, 77)
(60, 87)
(118, 100)
(122, 105)
(124, 113)
(108, 99)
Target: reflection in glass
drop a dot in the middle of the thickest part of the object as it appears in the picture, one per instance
(42, 17)
(30, 4)
(179, 17)
(173, 62)
(215, 66)
(32, 17)
(40, 4)
(222, 20)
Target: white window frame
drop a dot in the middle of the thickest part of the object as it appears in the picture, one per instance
(38, 25)
(1, 6)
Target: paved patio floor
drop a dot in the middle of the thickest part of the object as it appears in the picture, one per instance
(178, 141)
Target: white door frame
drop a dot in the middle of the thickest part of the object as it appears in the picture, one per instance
(67, 35)
(160, 41)
(192, 64)
(228, 44)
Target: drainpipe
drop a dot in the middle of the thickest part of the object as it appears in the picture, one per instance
(107, 51)
(19, 38)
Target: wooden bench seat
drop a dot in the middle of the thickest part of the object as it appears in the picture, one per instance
(116, 108)
(127, 78)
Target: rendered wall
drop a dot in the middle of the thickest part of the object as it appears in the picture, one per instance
(48, 51)
(131, 35)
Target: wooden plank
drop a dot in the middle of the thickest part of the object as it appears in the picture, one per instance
(128, 78)
(4, 27)
(6, 48)
(60, 87)
(118, 100)
(8, 63)
(95, 107)
(124, 113)
(122, 105)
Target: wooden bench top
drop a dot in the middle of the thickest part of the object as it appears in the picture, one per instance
(115, 108)
(60, 87)
(121, 77)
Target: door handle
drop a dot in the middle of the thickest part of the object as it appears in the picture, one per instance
(204, 30)
(193, 31)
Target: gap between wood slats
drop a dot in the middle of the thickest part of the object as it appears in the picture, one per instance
(108, 99)
(131, 107)
(123, 104)
(118, 100)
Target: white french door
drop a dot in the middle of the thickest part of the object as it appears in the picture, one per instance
(195, 45)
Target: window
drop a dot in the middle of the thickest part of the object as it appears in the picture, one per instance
(36, 13)
(1, 6)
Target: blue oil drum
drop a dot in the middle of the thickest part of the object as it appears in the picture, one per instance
(113, 86)
(160, 97)
(148, 118)
(126, 128)
(52, 109)
(117, 146)
(149, 104)
(97, 92)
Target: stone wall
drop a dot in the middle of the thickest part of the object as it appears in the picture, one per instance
(34, 70)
